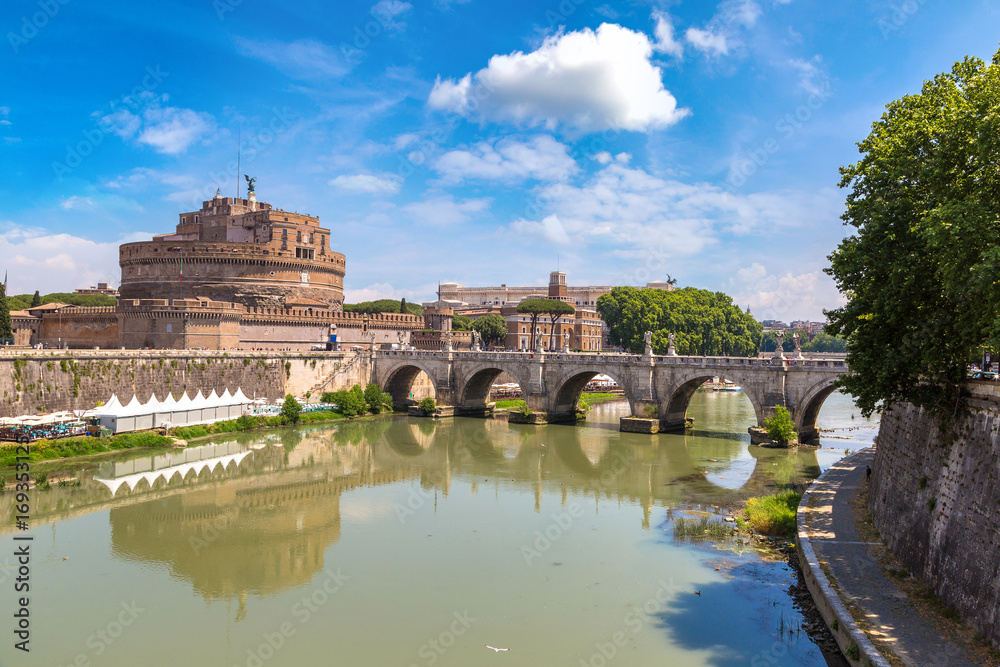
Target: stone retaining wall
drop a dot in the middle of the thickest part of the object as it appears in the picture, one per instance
(935, 499)
(33, 382)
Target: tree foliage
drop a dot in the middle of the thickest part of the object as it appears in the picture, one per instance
(824, 342)
(351, 402)
(920, 271)
(705, 323)
(6, 331)
(376, 399)
(554, 308)
(291, 409)
(461, 323)
(25, 301)
(492, 327)
(383, 306)
(779, 426)
(36, 299)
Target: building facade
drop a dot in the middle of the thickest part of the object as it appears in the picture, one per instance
(580, 296)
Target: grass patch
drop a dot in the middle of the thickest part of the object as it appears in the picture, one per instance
(46, 450)
(773, 515)
(509, 403)
(250, 423)
(703, 527)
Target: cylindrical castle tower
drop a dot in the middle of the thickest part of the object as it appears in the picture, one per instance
(238, 250)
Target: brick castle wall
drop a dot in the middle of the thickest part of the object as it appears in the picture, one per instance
(935, 499)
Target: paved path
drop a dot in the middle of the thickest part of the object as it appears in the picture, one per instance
(891, 619)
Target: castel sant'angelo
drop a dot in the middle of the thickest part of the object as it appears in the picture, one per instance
(237, 274)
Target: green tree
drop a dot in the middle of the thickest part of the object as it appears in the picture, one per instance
(376, 399)
(492, 327)
(382, 306)
(558, 309)
(427, 405)
(36, 300)
(537, 307)
(824, 342)
(6, 331)
(704, 323)
(461, 323)
(779, 426)
(402, 307)
(920, 268)
(291, 409)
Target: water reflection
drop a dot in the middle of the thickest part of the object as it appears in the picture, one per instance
(416, 510)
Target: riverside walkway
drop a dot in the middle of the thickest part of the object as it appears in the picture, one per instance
(832, 547)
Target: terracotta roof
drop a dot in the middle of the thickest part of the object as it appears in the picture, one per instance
(20, 313)
(56, 305)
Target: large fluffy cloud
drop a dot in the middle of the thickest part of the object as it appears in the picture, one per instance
(586, 80)
(784, 297)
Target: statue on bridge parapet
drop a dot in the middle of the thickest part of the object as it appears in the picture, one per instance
(779, 351)
(476, 341)
(447, 341)
(402, 339)
(565, 342)
(671, 352)
(647, 338)
(796, 340)
(538, 340)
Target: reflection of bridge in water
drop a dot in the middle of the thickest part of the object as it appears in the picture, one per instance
(253, 517)
(653, 384)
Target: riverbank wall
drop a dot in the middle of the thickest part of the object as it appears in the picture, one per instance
(39, 381)
(935, 499)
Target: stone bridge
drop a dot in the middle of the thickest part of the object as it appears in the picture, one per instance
(659, 386)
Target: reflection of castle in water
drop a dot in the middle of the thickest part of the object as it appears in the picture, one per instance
(257, 515)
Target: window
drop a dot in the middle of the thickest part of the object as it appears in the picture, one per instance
(305, 253)
(284, 234)
(298, 236)
(170, 327)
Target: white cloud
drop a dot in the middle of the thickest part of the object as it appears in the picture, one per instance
(584, 80)
(664, 32)
(373, 292)
(76, 202)
(301, 59)
(784, 297)
(541, 157)
(603, 157)
(709, 42)
(39, 260)
(384, 184)
(622, 209)
(445, 210)
(812, 78)
(4, 111)
(386, 12)
(550, 229)
(168, 130)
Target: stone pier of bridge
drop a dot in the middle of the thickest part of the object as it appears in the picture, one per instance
(656, 387)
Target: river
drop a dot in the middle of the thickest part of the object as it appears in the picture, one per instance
(405, 541)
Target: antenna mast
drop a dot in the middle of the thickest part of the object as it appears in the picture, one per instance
(239, 140)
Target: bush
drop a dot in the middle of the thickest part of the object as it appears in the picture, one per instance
(523, 409)
(328, 397)
(350, 402)
(291, 409)
(427, 405)
(773, 515)
(376, 399)
(780, 427)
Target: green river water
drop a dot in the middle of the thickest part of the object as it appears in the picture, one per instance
(406, 541)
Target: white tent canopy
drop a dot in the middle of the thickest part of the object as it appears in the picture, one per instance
(137, 416)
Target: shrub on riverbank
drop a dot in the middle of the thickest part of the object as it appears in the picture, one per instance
(703, 527)
(773, 515)
(45, 450)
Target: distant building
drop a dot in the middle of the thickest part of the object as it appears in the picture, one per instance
(580, 296)
(102, 288)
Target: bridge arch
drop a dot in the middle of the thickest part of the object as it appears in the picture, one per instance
(473, 383)
(398, 383)
(569, 385)
(674, 405)
(807, 412)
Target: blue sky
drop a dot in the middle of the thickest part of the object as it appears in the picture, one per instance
(466, 141)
